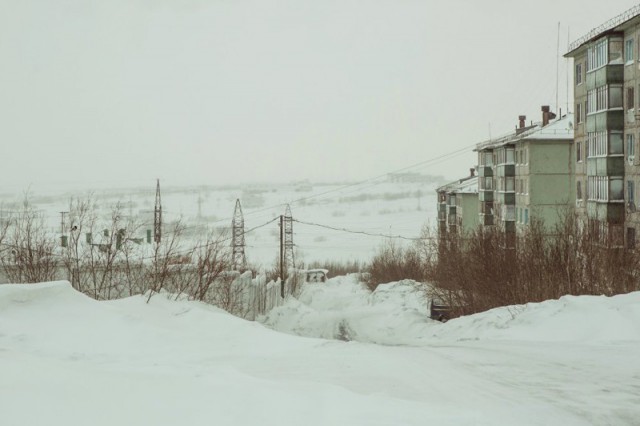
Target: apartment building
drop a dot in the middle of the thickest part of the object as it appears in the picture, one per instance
(527, 174)
(458, 205)
(606, 74)
(544, 175)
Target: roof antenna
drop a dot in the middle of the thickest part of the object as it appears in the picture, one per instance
(558, 68)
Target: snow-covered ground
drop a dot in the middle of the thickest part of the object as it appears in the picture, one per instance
(67, 360)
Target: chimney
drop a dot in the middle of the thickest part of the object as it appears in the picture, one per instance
(522, 118)
(472, 172)
(545, 115)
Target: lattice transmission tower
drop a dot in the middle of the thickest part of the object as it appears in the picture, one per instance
(157, 215)
(237, 243)
(288, 240)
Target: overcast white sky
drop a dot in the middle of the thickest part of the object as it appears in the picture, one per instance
(213, 91)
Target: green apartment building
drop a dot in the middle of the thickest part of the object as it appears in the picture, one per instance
(544, 172)
(458, 205)
(527, 175)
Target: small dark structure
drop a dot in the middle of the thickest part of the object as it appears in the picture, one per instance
(439, 310)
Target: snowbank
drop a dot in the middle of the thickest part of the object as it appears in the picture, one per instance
(571, 318)
(344, 309)
(397, 313)
(66, 359)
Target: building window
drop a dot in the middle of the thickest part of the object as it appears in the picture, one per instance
(579, 190)
(603, 98)
(630, 98)
(605, 188)
(598, 55)
(597, 144)
(526, 216)
(578, 74)
(601, 144)
(631, 190)
(616, 189)
(578, 152)
(631, 238)
(578, 113)
(486, 183)
(628, 50)
(631, 147)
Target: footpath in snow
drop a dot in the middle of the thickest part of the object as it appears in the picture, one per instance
(67, 360)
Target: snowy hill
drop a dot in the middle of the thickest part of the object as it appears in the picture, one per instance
(66, 359)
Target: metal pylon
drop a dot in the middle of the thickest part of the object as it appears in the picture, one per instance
(157, 215)
(288, 239)
(237, 243)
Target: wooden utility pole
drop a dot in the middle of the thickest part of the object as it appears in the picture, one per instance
(157, 216)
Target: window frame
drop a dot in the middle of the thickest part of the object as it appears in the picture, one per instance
(629, 51)
(630, 140)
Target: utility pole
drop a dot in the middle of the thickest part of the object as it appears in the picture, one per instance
(288, 240)
(239, 259)
(62, 222)
(157, 215)
(63, 237)
(282, 256)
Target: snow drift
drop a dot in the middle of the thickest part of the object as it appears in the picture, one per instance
(66, 359)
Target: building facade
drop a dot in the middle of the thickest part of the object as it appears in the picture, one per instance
(544, 173)
(458, 205)
(606, 74)
(527, 174)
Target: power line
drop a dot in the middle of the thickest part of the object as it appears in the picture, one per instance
(371, 234)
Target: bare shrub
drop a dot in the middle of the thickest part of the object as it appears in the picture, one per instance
(31, 256)
(211, 259)
(167, 262)
(394, 262)
(481, 270)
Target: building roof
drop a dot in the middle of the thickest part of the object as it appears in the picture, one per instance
(558, 129)
(617, 23)
(468, 184)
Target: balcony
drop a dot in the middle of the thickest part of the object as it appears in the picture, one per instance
(485, 171)
(605, 120)
(486, 195)
(506, 169)
(606, 212)
(442, 211)
(605, 166)
(506, 198)
(610, 74)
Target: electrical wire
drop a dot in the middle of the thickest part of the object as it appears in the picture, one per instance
(371, 234)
